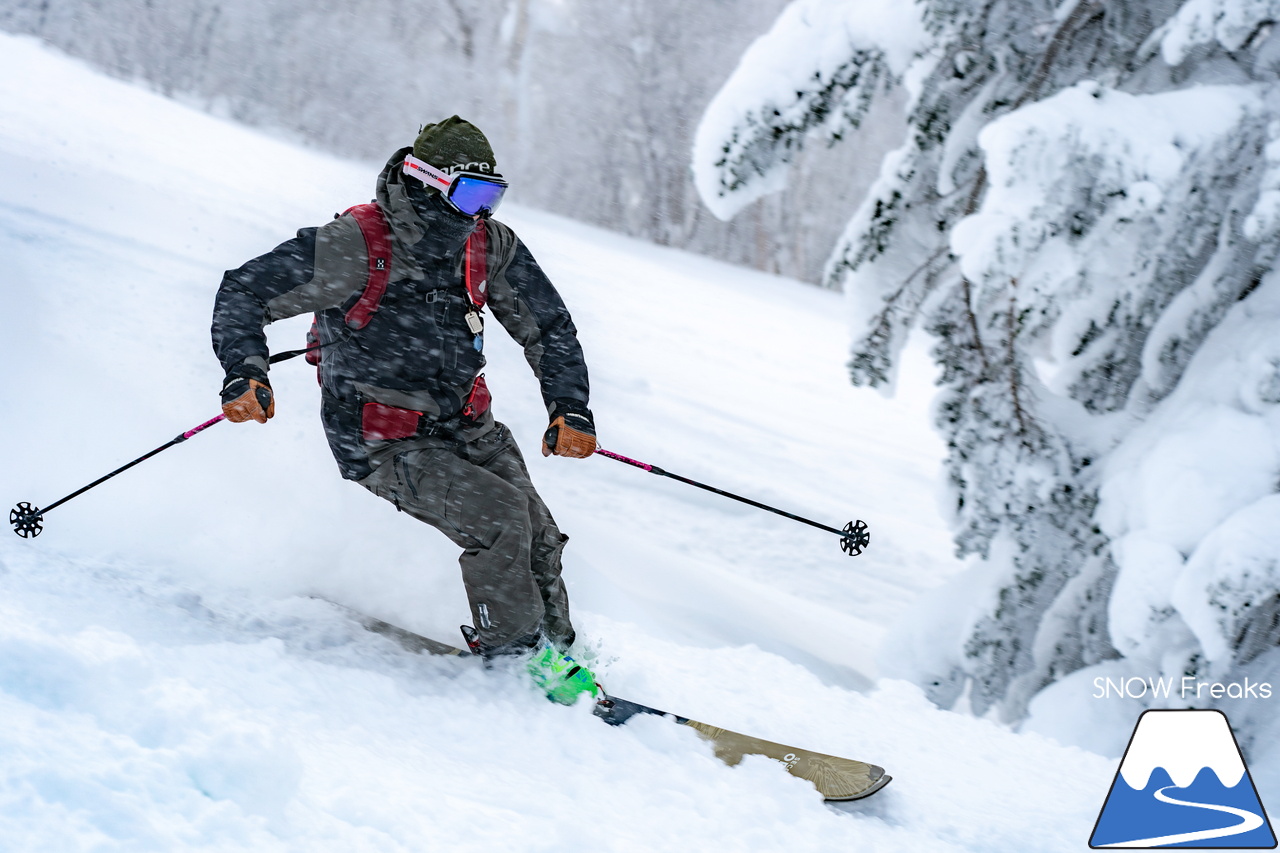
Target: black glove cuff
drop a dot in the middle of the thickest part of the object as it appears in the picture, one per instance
(575, 415)
(237, 381)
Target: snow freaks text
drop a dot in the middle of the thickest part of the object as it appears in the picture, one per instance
(1187, 687)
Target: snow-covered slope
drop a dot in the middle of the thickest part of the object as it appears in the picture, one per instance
(166, 683)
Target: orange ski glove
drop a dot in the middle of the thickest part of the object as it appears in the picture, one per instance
(572, 431)
(246, 395)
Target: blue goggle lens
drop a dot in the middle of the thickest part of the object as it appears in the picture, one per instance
(472, 195)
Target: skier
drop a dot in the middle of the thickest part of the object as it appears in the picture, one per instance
(398, 290)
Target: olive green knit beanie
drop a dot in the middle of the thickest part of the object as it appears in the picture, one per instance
(455, 144)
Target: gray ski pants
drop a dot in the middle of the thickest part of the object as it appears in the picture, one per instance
(478, 493)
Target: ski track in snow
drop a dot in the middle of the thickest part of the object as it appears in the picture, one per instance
(166, 682)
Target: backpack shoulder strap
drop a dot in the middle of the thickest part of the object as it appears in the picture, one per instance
(476, 270)
(377, 239)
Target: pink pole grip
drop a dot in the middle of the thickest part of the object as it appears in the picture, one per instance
(625, 459)
(203, 426)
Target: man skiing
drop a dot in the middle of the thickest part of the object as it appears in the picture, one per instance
(398, 289)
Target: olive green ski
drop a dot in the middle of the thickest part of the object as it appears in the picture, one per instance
(836, 778)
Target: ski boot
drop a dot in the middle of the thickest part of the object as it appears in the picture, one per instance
(555, 673)
(559, 676)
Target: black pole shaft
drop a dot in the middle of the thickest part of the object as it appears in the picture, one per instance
(275, 359)
(178, 440)
(654, 469)
(748, 501)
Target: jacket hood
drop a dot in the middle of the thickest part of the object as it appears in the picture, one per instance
(418, 211)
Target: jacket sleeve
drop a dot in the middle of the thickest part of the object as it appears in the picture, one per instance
(527, 305)
(285, 282)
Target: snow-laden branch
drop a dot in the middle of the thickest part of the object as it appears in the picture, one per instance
(1082, 207)
(819, 67)
(1230, 23)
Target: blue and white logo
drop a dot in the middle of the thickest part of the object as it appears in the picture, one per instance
(1183, 783)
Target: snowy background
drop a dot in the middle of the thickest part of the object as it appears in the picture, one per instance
(166, 683)
(567, 89)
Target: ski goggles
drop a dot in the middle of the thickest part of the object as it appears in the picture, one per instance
(470, 193)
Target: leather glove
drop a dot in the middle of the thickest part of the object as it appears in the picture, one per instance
(572, 431)
(246, 395)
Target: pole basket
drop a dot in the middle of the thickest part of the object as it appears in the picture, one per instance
(26, 520)
(856, 537)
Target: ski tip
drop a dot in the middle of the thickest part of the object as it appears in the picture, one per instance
(876, 785)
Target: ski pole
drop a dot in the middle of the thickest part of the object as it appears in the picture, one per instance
(853, 539)
(27, 520)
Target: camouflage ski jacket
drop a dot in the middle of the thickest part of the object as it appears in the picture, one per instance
(417, 351)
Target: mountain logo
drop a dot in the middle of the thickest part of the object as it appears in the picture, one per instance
(1183, 783)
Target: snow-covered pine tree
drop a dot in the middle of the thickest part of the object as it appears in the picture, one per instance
(1084, 215)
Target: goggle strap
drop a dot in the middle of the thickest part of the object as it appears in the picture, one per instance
(447, 184)
(426, 173)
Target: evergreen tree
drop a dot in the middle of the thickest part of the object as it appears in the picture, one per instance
(1083, 215)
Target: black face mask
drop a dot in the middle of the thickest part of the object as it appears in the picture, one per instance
(447, 229)
(429, 204)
